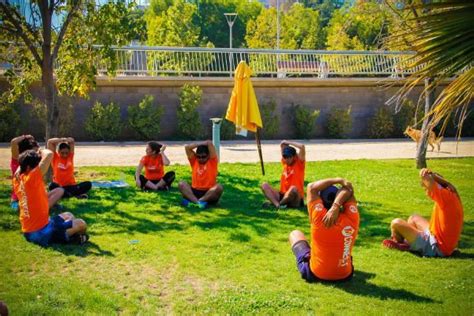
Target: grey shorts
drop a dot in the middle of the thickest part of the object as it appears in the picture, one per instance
(427, 245)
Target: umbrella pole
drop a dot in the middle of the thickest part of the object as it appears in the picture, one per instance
(259, 147)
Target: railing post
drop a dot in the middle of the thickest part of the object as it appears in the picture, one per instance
(216, 134)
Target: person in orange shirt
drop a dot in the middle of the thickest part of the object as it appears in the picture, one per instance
(291, 191)
(439, 236)
(204, 188)
(334, 219)
(63, 169)
(19, 145)
(36, 225)
(154, 162)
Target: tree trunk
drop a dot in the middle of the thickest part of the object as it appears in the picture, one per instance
(425, 129)
(52, 119)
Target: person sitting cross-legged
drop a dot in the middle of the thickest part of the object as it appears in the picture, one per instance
(439, 236)
(154, 162)
(204, 188)
(36, 225)
(334, 219)
(63, 168)
(292, 178)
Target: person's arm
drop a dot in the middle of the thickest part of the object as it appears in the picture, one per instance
(189, 148)
(14, 145)
(166, 161)
(301, 148)
(138, 172)
(52, 143)
(429, 177)
(71, 143)
(212, 149)
(46, 157)
(283, 144)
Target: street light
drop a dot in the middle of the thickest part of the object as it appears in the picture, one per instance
(278, 24)
(230, 17)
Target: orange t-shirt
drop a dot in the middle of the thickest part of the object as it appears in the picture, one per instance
(154, 169)
(63, 169)
(331, 248)
(447, 218)
(293, 175)
(204, 175)
(33, 200)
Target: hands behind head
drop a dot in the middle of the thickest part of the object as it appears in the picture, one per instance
(331, 216)
(425, 172)
(162, 149)
(348, 185)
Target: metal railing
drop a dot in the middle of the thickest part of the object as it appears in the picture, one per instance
(162, 61)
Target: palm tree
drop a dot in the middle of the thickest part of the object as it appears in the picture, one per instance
(443, 39)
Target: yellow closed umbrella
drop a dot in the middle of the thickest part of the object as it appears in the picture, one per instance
(243, 108)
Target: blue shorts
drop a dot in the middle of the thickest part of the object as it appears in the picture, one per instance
(53, 232)
(427, 245)
(302, 252)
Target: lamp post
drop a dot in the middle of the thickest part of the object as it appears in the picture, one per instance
(230, 17)
(278, 24)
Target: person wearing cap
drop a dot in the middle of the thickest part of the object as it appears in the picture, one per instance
(291, 191)
(334, 219)
(204, 188)
(439, 236)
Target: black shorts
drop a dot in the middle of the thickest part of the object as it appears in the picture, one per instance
(168, 178)
(301, 201)
(200, 193)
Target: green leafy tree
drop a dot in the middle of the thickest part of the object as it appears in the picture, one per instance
(304, 120)
(381, 124)
(54, 45)
(359, 27)
(261, 33)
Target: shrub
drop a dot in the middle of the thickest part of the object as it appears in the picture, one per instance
(189, 123)
(227, 129)
(304, 120)
(145, 118)
(103, 122)
(270, 120)
(405, 116)
(9, 122)
(381, 124)
(339, 123)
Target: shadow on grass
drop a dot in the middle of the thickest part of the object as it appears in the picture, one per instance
(360, 285)
(88, 249)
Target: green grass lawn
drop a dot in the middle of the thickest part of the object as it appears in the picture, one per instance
(147, 254)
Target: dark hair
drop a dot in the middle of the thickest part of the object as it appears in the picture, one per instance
(26, 144)
(202, 150)
(155, 146)
(64, 146)
(29, 158)
(288, 151)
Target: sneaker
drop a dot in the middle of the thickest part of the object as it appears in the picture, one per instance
(282, 206)
(14, 206)
(202, 204)
(392, 244)
(80, 239)
(185, 202)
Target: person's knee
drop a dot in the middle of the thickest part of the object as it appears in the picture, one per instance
(396, 223)
(219, 188)
(59, 192)
(413, 218)
(295, 236)
(80, 225)
(265, 186)
(293, 191)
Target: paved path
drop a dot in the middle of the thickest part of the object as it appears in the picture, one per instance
(128, 154)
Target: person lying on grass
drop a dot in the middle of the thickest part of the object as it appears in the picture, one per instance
(63, 169)
(204, 188)
(36, 225)
(19, 145)
(292, 178)
(154, 162)
(334, 219)
(439, 236)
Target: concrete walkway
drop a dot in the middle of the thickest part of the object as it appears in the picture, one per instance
(129, 153)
